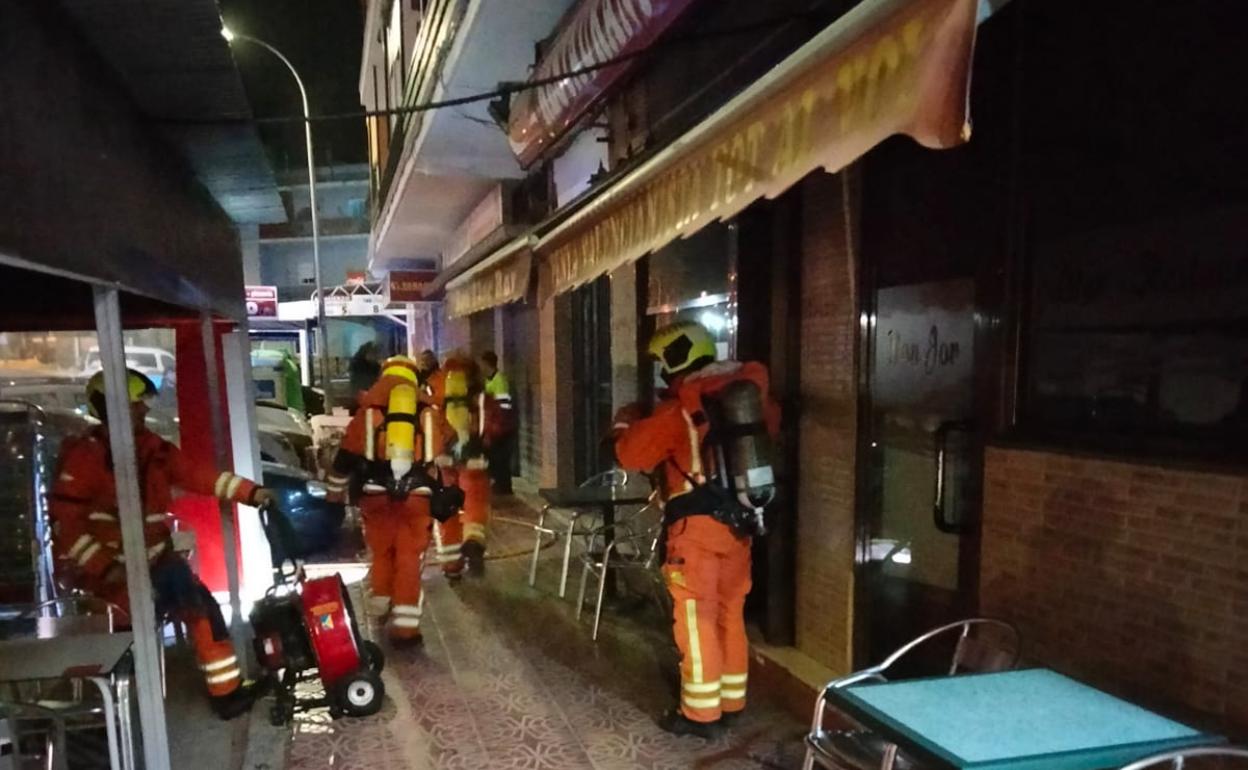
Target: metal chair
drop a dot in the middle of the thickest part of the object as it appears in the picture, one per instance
(861, 749)
(76, 713)
(1177, 759)
(615, 478)
(28, 721)
(628, 549)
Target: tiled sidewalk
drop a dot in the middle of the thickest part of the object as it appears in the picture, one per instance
(507, 679)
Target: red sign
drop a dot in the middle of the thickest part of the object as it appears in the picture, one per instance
(357, 277)
(597, 31)
(410, 285)
(261, 301)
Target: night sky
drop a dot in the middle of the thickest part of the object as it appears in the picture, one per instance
(323, 39)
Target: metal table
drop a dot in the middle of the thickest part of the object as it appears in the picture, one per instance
(1033, 719)
(606, 499)
(32, 649)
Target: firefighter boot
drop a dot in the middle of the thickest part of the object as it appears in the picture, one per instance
(677, 723)
(474, 558)
(239, 700)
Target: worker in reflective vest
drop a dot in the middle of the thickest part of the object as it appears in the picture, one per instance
(500, 452)
(382, 447)
(707, 568)
(459, 431)
(87, 534)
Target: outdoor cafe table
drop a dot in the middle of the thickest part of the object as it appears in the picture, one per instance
(32, 649)
(606, 499)
(1032, 719)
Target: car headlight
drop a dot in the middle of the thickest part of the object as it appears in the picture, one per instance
(317, 489)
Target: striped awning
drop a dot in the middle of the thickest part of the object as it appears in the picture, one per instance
(501, 278)
(886, 67)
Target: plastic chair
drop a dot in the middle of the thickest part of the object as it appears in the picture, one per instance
(628, 550)
(1177, 759)
(860, 749)
(615, 478)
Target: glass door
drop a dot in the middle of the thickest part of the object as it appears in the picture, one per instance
(918, 552)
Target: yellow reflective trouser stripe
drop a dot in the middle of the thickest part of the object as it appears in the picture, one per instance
(700, 703)
(223, 678)
(695, 643)
(217, 665)
(727, 694)
(701, 689)
(733, 678)
(232, 488)
(474, 531)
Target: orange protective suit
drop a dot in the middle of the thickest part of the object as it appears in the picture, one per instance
(456, 442)
(396, 528)
(708, 564)
(87, 538)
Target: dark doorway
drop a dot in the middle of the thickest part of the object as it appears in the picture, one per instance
(591, 378)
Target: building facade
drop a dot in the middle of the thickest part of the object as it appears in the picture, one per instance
(994, 260)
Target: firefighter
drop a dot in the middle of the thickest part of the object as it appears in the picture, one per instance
(459, 430)
(708, 525)
(87, 533)
(382, 448)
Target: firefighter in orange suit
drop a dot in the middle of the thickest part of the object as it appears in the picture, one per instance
(459, 429)
(383, 446)
(87, 533)
(708, 533)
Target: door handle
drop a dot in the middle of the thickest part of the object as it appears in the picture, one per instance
(938, 503)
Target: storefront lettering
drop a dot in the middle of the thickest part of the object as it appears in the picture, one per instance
(931, 354)
(826, 116)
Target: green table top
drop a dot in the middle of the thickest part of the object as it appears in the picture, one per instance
(1032, 719)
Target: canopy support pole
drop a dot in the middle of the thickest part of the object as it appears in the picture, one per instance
(130, 512)
(221, 454)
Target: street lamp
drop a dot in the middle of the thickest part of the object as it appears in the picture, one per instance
(322, 331)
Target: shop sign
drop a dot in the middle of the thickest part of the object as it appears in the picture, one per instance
(597, 31)
(261, 301)
(925, 347)
(409, 285)
(887, 67)
(495, 284)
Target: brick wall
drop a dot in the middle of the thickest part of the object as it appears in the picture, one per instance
(1132, 577)
(825, 526)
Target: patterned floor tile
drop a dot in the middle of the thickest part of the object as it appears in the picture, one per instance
(507, 679)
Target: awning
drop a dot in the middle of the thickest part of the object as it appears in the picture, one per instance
(887, 67)
(503, 277)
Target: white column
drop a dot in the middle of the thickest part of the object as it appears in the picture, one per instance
(134, 546)
(240, 397)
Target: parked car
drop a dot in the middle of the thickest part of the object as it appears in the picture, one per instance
(315, 520)
(286, 431)
(153, 362)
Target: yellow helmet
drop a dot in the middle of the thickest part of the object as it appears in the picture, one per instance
(137, 383)
(681, 347)
(399, 366)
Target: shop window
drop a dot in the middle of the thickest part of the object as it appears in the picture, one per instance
(694, 279)
(1138, 337)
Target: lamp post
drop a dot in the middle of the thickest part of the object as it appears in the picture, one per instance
(322, 330)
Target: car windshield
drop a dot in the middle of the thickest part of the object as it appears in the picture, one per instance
(142, 360)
